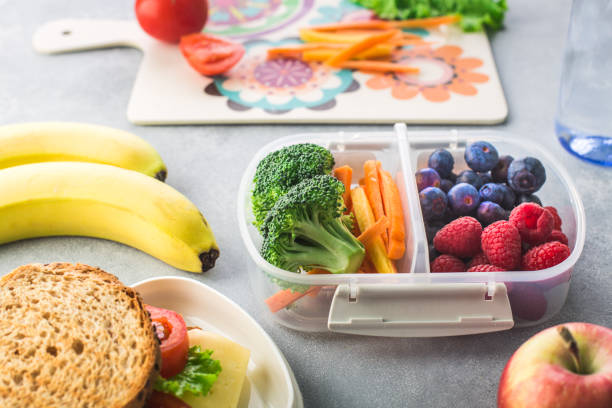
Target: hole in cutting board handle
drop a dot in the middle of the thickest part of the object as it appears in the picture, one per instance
(66, 32)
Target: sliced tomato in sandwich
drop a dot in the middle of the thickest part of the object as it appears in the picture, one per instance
(210, 55)
(171, 330)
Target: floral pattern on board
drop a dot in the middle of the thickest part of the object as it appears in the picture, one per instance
(253, 18)
(345, 10)
(443, 72)
(280, 85)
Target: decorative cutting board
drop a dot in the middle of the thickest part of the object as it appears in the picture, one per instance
(457, 83)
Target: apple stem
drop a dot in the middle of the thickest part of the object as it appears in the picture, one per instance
(572, 346)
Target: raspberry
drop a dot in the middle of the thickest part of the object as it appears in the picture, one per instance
(447, 263)
(557, 235)
(553, 211)
(460, 238)
(486, 268)
(501, 243)
(533, 222)
(478, 259)
(545, 256)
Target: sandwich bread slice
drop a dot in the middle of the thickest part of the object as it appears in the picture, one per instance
(73, 336)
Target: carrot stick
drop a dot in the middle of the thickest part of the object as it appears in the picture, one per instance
(377, 229)
(379, 66)
(308, 36)
(372, 190)
(425, 22)
(375, 249)
(393, 210)
(323, 54)
(295, 51)
(359, 47)
(345, 175)
(284, 298)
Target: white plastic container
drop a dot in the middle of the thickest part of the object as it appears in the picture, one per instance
(415, 302)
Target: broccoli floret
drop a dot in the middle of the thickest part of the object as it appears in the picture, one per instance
(305, 229)
(284, 168)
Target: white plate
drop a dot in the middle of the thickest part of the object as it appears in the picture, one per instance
(270, 381)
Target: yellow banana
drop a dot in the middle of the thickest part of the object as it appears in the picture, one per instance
(102, 201)
(35, 142)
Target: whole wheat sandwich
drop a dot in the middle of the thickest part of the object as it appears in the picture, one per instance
(73, 336)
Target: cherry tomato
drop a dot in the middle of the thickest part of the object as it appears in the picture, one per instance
(168, 20)
(163, 400)
(210, 55)
(172, 332)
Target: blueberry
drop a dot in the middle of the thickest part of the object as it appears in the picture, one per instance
(492, 192)
(449, 215)
(528, 198)
(452, 177)
(433, 203)
(526, 176)
(500, 171)
(470, 177)
(432, 229)
(485, 178)
(489, 212)
(463, 198)
(446, 184)
(509, 197)
(481, 156)
(441, 161)
(427, 178)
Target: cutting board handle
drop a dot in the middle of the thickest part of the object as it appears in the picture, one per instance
(78, 35)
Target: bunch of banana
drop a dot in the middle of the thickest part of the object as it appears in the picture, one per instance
(54, 197)
(36, 142)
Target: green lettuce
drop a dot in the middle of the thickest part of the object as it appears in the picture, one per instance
(197, 378)
(475, 14)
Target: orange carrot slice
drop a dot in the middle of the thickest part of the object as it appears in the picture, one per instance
(284, 298)
(393, 210)
(323, 54)
(358, 47)
(372, 189)
(345, 175)
(377, 229)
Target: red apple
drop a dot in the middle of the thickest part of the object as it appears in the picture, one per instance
(566, 366)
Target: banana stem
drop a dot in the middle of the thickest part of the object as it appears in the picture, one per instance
(572, 347)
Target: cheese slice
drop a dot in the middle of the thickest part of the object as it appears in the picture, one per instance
(234, 359)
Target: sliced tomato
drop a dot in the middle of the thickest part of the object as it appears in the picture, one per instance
(168, 20)
(210, 55)
(163, 400)
(174, 343)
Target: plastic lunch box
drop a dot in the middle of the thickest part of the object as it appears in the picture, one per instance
(415, 302)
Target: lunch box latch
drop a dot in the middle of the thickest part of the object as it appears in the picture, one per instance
(420, 310)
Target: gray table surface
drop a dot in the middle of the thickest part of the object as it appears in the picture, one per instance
(206, 163)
